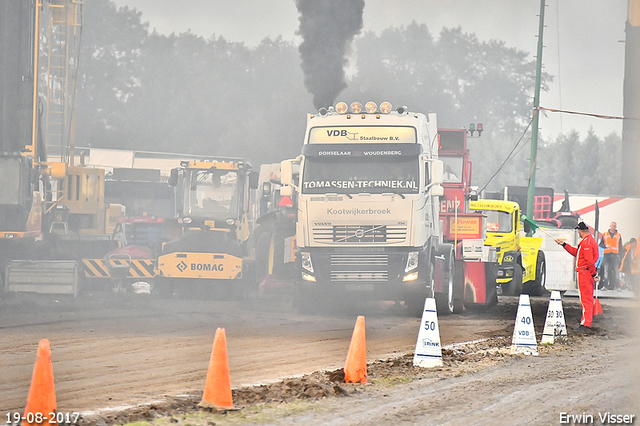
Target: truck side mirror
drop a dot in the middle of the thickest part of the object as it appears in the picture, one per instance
(437, 172)
(266, 190)
(286, 191)
(286, 172)
(254, 177)
(437, 190)
(173, 177)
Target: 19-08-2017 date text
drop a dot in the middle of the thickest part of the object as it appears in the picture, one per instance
(43, 418)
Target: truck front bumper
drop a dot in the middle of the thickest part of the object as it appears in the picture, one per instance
(372, 274)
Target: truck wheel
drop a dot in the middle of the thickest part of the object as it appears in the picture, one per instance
(451, 300)
(270, 254)
(263, 255)
(248, 284)
(278, 269)
(431, 282)
(491, 270)
(537, 286)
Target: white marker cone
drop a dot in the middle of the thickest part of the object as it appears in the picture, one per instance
(428, 351)
(554, 325)
(524, 334)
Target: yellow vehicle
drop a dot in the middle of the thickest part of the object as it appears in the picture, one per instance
(522, 266)
(52, 211)
(213, 253)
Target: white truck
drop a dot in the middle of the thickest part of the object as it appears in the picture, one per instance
(368, 224)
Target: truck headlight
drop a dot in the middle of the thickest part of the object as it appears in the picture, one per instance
(412, 261)
(305, 258)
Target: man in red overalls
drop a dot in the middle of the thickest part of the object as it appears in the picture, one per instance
(586, 255)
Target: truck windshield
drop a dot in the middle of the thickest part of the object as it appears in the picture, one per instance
(212, 193)
(354, 175)
(499, 221)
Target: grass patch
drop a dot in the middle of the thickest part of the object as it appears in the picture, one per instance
(256, 414)
(393, 380)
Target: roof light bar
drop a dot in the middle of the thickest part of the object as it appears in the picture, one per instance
(357, 108)
(371, 107)
(341, 107)
(385, 107)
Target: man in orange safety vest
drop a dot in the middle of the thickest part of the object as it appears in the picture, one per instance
(612, 243)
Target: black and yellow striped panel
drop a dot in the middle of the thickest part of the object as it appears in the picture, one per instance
(138, 268)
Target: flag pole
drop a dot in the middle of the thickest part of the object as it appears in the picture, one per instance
(597, 308)
(534, 226)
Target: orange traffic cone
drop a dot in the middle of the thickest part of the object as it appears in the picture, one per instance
(217, 391)
(355, 368)
(597, 307)
(42, 395)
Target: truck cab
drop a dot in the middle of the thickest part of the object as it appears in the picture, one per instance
(521, 262)
(368, 223)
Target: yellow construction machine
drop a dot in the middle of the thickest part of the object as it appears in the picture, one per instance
(214, 255)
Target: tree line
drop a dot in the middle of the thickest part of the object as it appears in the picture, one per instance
(138, 89)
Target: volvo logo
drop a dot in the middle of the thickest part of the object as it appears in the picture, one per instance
(359, 233)
(181, 266)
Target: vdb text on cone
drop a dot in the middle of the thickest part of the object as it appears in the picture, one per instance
(42, 395)
(217, 390)
(524, 333)
(355, 367)
(428, 351)
(554, 325)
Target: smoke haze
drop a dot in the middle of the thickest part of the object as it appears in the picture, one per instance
(327, 27)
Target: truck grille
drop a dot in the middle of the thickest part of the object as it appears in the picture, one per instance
(360, 276)
(359, 267)
(359, 259)
(349, 234)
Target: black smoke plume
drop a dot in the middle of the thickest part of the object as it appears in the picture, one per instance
(327, 27)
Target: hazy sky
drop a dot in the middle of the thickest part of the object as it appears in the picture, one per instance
(584, 48)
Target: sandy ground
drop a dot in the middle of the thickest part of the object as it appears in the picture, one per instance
(112, 353)
(591, 375)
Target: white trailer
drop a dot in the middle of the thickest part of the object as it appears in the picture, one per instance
(625, 211)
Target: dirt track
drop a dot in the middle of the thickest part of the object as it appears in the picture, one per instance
(113, 353)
